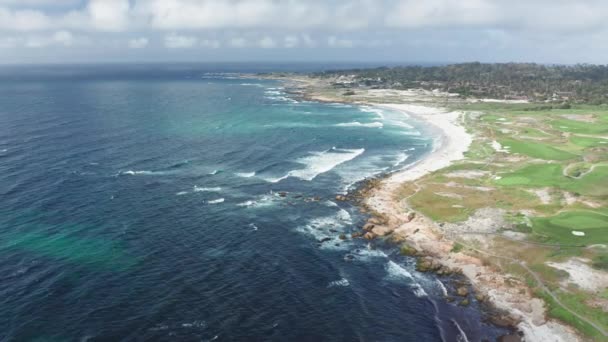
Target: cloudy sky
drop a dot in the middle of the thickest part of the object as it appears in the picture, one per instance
(547, 31)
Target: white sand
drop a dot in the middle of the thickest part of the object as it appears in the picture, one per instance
(450, 146)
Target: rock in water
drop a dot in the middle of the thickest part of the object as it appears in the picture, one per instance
(462, 291)
(369, 236)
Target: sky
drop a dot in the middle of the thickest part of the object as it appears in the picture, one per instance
(97, 31)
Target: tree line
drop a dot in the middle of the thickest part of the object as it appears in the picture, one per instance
(582, 83)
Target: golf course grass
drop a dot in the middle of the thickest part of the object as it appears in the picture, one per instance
(560, 228)
(536, 150)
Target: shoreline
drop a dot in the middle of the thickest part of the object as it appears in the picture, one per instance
(431, 244)
(396, 220)
(393, 218)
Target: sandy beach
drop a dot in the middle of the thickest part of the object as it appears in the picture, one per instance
(427, 237)
(433, 242)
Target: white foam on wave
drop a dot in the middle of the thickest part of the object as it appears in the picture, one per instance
(203, 189)
(400, 124)
(252, 85)
(261, 201)
(342, 283)
(397, 272)
(139, 173)
(411, 133)
(367, 109)
(359, 124)
(214, 172)
(368, 253)
(320, 227)
(419, 291)
(282, 98)
(462, 336)
(344, 216)
(182, 193)
(320, 162)
(366, 167)
(246, 204)
(216, 201)
(331, 204)
(402, 157)
(245, 174)
(253, 226)
(444, 291)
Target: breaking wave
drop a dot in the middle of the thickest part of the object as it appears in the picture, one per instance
(359, 124)
(203, 189)
(245, 174)
(320, 162)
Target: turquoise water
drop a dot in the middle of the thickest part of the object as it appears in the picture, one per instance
(146, 204)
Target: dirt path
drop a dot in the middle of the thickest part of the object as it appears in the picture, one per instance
(542, 285)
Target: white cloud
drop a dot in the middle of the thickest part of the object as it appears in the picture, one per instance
(109, 15)
(23, 20)
(59, 38)
(138, 43)
(296, 15)
(267, 43)
(8, 42)
(335, 42)
(238, 42)
(291, 41)
(523, 27)
(308, 41)
(174, 41)
(210, 43)
(63, 37)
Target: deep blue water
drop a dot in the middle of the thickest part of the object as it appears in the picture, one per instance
(143, 203)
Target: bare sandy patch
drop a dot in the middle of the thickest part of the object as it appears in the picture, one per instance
(470, 174)
(582, 275)
(449, 195)
(544, 195)
(580, 117)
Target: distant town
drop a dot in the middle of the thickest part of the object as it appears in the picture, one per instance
(511, 81)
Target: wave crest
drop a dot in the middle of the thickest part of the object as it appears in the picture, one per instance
(320, 162)
(359, 124)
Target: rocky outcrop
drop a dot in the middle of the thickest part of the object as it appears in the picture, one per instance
(462, 291)
(369, 236)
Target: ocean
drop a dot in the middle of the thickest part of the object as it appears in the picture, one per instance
(186, 203)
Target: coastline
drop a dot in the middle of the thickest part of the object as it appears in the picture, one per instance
(435, 247)
(394, 219)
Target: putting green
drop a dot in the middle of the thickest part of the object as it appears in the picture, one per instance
(534, 175)
(536, 150)
(560, 228)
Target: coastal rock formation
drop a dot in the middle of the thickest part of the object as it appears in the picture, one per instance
(369, 236)
(368, 227)
(462, 291)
